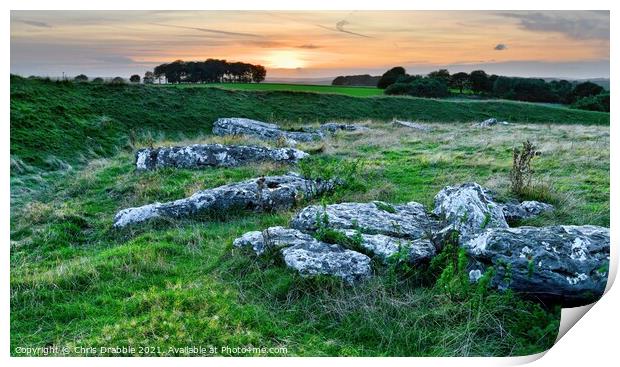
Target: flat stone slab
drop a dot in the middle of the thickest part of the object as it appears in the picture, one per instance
(525, 210)
(412, 125)
(260, 130)
(381, 246)
(333, 127)
(307, 255)
(407, 221)
(320, 258)
(268, 131)
(259, 194)
(492, 122)
(213, 155)
(561, 264)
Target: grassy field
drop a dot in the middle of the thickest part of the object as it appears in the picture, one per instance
(58, 124)
(349, 91)
(77, 282)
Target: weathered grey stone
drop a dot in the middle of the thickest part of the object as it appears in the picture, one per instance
(409, 221)
(319, 258)
(492, 122)
(488, 122)
(468, 209)
(260, 130)
(333, 127)
(272, 238)
(413, 125)
(213, 155)
(307, 255)
(259, 194)
(385, 247)
(558, 264)
(524, 210)
(378, 245)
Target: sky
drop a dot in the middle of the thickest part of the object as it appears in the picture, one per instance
(314, 44)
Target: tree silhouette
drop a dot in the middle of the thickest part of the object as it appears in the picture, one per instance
(210, 71)
(81, 78)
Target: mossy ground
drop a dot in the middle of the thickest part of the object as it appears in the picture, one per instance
(77, 282)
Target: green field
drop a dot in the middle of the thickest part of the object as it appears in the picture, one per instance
(349, 91)
(77, 282)
(55, 124)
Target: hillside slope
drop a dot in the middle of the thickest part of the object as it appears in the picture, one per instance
(52, 122)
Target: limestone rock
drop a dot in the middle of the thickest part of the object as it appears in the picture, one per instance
(260, 130)
(259, 194)
(333, 127)
(468, 209)
(320, 258)
(307, 255)
(408, 221)
(491, 122)
(524, 210)
(213, 155)
(565, 265)
(412, 125)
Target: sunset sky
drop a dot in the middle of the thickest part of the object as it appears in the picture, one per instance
(313, 44)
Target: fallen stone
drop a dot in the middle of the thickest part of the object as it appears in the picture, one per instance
(527, 209)
(259, 194)
(413, 125)
(213, 155)
(272, 238)
(491, 122)
(408, 221)
(386, 247)
(381, 246)
(319, 258)
(333, 127)
(260, 130)
(307, 255)
(468, 209)
(564, 265)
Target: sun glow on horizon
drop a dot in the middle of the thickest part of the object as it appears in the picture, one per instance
(284, 59)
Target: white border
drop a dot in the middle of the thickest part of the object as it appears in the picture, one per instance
(590, 342)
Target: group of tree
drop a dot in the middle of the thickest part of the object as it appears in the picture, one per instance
(396, 81)
(81, 78)
(364, 80)
(209, 71)
(586, 95)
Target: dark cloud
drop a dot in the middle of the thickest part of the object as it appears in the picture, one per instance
(340, 28)
(577, 25)
(500, 47)
(208, 30)
(34, 23)
(309, 46)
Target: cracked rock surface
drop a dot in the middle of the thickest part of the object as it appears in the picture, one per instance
(259, 194)
(260, 130)
(267, 131)
(524, 210)
(213, 155)
(562, 264)
(307, 255)
(468, 209)
(408, 221)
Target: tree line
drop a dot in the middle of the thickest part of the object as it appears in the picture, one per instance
(365, 80)
(437, 84)
(179, 71)
(208, 71)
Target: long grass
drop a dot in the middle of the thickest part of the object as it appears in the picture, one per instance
(77, 282)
